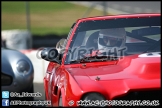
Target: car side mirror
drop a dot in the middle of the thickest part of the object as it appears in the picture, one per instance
(50, 54)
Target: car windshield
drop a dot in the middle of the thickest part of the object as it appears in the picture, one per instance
(117, 37)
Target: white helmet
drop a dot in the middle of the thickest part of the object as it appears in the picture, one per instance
(109, 38)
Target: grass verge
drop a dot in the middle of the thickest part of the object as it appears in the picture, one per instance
(45, 17)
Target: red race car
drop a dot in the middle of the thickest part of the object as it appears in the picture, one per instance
(106, 61)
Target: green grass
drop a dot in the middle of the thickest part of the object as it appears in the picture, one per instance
(45, 17)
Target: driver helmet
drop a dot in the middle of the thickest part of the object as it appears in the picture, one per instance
(110, 38)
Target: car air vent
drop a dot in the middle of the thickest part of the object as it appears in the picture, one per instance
(141, 95)
(5, 79)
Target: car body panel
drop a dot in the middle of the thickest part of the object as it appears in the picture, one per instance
(9, 60)
(112, 79)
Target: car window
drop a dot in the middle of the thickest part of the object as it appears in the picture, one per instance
(140, 35)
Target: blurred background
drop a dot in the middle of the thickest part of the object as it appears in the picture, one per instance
(29, 25)
(54, 19)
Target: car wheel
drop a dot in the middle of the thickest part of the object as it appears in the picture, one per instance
(60, 101)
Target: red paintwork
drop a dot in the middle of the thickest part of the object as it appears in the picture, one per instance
(116, 77)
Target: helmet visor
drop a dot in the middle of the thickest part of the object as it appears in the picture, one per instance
(110, 41)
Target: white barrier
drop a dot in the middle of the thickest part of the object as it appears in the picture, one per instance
(17, 39)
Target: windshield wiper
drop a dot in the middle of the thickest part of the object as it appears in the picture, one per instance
(95, 58)
(84, 59)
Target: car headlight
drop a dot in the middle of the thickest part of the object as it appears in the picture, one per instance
(23, 66)
(94, 98)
